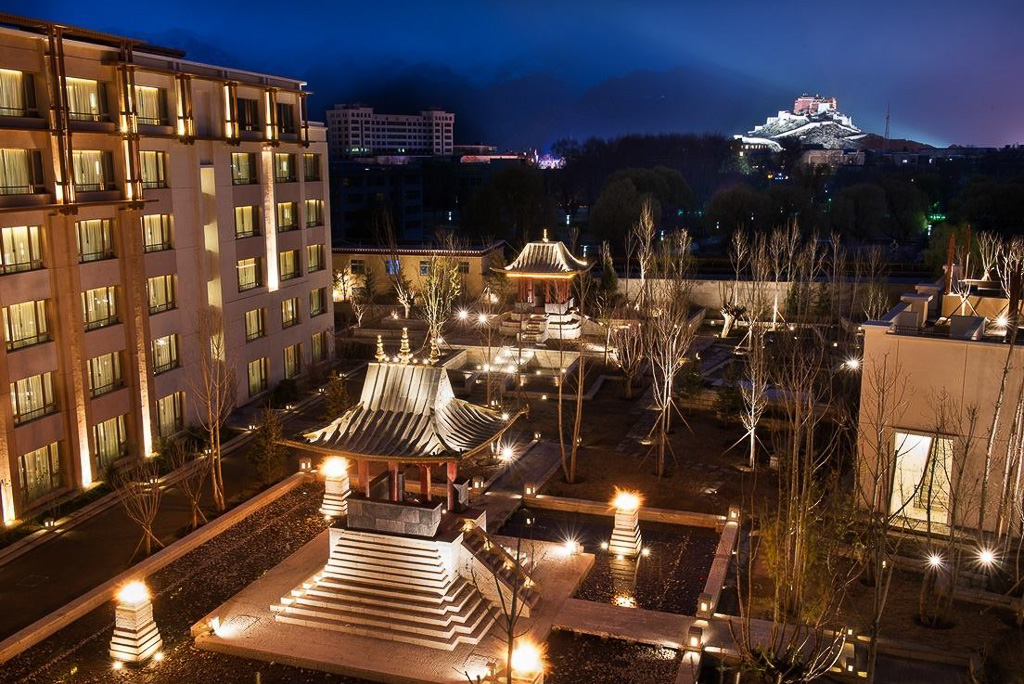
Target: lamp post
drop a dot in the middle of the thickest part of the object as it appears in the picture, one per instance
(625, 540)
(336, 487)
(136, 638)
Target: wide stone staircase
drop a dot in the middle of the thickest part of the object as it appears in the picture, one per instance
(393, 588)
(499, 563)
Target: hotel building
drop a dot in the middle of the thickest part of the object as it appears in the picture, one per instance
(139, 191)
(358, 131)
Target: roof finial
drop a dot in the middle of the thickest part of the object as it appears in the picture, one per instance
(545, 235)
(381, 356)
(404, 352)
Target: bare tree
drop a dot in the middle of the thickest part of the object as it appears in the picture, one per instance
(755, 389)
(214, 390)
(138, 489)
(739, 256)
(668, 333)
(361, 296)
(990, 246)
(643, 239)
(192, 470)
(570, 452)
(628, 340)
(440, 288)
(400, 283)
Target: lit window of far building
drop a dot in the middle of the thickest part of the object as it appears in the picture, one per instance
(257, 371)
(254, 324)
(284, 167)
(161, 294)
(286, 217)
(289, 264)
(109, 442)
(319, 346)
(285, 117)
(21, 172)
(248, 114)
(87, 100)
(33, 398)
(156, 232)
(95, 240)
(25, 324)
(464, 267)
(314, 213)
(250, 274)
(314, 258)
(243, 168)
(246, 222)
(154, 169)
(311, 167)
(151, 106)
(921, 481)
(93, 170)
(317, 302)
(169, 413)
(392, 266)
(105, 374)
(17, 93)
(39, 472)
(290, 312)
(292, 361)
(99, 307)
(165, 354)
(19, 249)
(424, 268)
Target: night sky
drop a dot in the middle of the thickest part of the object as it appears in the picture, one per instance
(524, 73)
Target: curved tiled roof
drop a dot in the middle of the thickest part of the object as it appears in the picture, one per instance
(546, 257)
(409, 412)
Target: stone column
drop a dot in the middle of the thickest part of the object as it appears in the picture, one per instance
(393, 481)
(625, 539)
(425, 483)
(136, 637)
(336, 487)
(363, 468)
(452, 469)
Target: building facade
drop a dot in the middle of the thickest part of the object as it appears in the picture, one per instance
(148, 205)
(358, 131)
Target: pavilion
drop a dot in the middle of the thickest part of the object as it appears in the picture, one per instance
(544, 272)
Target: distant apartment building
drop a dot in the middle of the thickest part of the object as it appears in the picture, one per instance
(358, 131)
(137, 190)
(361, 192)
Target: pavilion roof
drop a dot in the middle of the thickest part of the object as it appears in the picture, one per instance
(408, 412)
(546, 257)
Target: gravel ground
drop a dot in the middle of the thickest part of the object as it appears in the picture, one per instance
(575, 658)
(670, 579)
(184, 592)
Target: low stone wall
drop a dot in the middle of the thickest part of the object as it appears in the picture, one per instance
(419, 520)
(664, 515)
(60, 618)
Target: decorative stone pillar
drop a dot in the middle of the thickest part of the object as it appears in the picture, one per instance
(625, 539)
(336, 487)
(136, 638)
(380, 355)
(404, 352)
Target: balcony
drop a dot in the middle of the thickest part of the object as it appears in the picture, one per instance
(161, 307)
(289, 322)
(248, 179)
(35, 414)
(287, 178)
(100, 255)
(29, 189)
(290, 275)
(287, 227)
(251, 335)
(157, 247)
(102, 322)
(21, 266)
(115, 384)
(166, 366)
(95, 117)
(29, 341)
(245, 286)
(101, 186)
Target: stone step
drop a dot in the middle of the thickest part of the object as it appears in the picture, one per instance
(385, 573)
(417, 594)
(383, 544)
(448, 637)
(392, 560)
(443, 615)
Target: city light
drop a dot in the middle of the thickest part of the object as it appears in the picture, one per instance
(852, 364)
(482, 319)
(133, 594)
(934, 560)
(1002, 321)
(334, 467)
(506, 454)
(626, 501)
(463, 315)
(987, 557)
(527, 658)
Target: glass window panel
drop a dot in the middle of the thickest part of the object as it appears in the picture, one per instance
(95, 240)
(19, 249)
(39, 472)
(25, 324)
(156, 232)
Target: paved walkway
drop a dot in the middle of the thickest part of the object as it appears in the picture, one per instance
(535, 467)
(50, 575)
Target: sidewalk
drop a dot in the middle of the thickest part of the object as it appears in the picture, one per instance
(62, 569)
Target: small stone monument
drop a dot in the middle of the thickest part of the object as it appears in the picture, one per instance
(136, 638)
(380, 356)
(625, 539)
(336, 487)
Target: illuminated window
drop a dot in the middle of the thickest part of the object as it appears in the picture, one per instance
(19, 249)
(257, 371)
(99, 307)
(161, 294)
(25, 324)
(250, 273)
(289, 264)
(292, 360)
(243, 168)
(109, 442)
(87, 100)
(314, 258)
(151, 106)
(165, 354)
(311, 167)
(95, 240)
(104, 374)
(246, 222)
(39, 472)
(314, 213)
(93, 170)
(156, 232)
(290, 312)
(318, 302)
(154, 169)
(33, 398)
(21, 172)
(169, 412)
(17, 94)
(286, 217)
(254, 324)
(319, 346)
(284, 167)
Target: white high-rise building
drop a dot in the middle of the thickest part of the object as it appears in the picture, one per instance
(357, 131)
